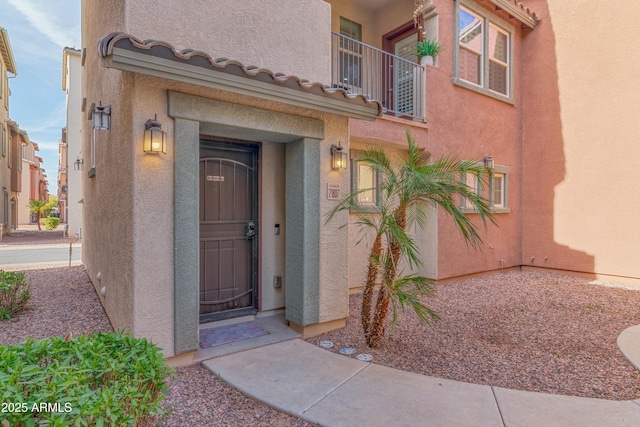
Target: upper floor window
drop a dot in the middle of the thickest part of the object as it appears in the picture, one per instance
(483, 56)
(350, 54)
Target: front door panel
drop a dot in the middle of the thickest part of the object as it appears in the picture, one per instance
(228, 230)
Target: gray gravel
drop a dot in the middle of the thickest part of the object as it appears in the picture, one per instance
(532, 331)
(63, 300)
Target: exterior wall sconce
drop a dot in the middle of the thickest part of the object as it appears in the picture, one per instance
(78, 164)
(155, 139)
(338, 157)
(488, 162)
(101, 117)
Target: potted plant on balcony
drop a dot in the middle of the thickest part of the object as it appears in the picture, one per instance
(427, 50)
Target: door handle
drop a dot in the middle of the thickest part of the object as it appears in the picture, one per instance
(251, 229)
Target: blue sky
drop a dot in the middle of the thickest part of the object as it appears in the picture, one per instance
(38, 31)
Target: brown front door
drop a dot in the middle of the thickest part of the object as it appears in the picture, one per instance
(228, 230)
(399, 79)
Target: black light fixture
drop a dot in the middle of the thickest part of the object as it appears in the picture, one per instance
(78, 164)
(338, 157)
(155, 139)
(101, 117)
(488, 162)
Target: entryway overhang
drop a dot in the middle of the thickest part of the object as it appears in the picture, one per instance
(157, 58)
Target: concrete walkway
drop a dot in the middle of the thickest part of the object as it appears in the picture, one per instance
(334, 390)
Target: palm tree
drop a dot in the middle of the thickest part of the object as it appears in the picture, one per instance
(38, 207)
(407, 189)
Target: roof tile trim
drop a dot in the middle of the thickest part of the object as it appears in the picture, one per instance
(107, 43)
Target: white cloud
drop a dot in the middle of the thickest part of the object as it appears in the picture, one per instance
(51, 19)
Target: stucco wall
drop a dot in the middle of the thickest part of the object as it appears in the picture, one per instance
(272, 203)
(74, 141)
(289, 36)
(152, 219)
(580, 138)
(375, 22)
(108, 222)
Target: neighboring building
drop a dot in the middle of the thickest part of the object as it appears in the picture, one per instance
(231, 220)
(18, 141)
(62, 177)
(7, 65)
(29, 164)
(74, 165)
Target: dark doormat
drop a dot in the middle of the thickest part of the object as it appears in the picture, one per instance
(230, 333)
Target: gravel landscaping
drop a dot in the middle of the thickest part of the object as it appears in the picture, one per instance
(532, 331)
(63, 300)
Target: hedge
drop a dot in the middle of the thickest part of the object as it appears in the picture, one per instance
(96, 380)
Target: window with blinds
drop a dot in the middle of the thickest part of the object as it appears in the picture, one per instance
(483, 55)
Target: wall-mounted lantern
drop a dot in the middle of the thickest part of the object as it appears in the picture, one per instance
(101, 117)
(78, 164)
(155, 139)
(488, 162)
(338, 157)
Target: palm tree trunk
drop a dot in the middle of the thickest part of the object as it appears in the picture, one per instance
(378, 325)
(372, 275)
(38, 220)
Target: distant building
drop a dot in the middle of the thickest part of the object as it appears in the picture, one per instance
(8, 197)
(30, 171)
(62, 177)
(73, 164)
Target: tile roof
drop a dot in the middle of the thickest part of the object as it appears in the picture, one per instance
(161, 49)
(515, 9)
(6, 52)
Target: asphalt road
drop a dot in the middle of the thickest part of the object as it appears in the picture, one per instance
(33, 255)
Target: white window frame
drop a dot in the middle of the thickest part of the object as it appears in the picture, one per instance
(356, 163)
(488, 21)
(496, 206)
(502, 205)
(472, 181)
(350, 57)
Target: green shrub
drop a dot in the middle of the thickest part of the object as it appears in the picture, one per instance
(14, 293)
(104, 379)
(51, 223)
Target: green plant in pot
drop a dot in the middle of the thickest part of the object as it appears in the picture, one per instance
(429, 49)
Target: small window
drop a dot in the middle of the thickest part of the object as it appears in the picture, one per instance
(365, 180)
(483, 55)
(350, 29)
(499, 190)
(473, 183)
(5, 219)
(496, 194)
(3, 139)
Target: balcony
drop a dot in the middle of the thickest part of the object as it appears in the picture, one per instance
(397, 83)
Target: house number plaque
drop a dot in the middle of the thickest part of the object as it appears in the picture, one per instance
(333, 191)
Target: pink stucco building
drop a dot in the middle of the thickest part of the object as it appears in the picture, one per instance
(225, 216)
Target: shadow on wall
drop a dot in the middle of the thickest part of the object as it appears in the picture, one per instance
(543, 150)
